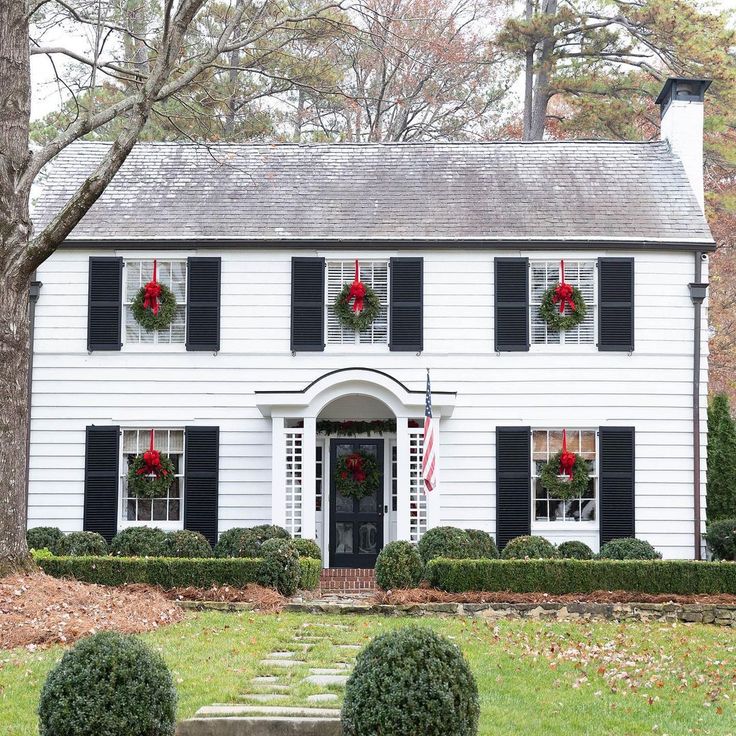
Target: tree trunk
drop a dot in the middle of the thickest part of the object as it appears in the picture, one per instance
(544, 76)
(15, 231)
(528, 78)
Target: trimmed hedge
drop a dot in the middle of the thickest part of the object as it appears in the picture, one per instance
(582, 576)
(169, 572)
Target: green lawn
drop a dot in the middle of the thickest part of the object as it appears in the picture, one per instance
(535, 678)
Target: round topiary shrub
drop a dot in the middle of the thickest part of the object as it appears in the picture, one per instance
(108, 684)
(246, 542)
(229, 544)
(721, 538)
(408, 682)
(46, 537)
(81, 544)
(307, 548)
(139, 541)
(186, 543)
(445, 541)
(575, 550)
(398, 566)
(531, 547)
(628, 548)
(280, 566)
(483, 545)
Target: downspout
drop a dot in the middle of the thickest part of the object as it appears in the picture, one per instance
(32, 299)
(698, 292)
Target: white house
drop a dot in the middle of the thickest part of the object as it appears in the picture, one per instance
(253, 387)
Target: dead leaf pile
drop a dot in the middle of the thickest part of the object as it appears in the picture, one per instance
(38, 610)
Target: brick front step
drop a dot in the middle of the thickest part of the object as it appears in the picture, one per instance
(347, 580)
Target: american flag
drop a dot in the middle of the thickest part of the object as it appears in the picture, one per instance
(429, 456)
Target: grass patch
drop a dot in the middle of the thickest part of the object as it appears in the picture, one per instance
(536, 678)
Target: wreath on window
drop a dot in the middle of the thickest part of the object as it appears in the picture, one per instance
(563, 306)
(154, 306)
(566, 475)
(357, 475)
(150, 474)
(365, 307)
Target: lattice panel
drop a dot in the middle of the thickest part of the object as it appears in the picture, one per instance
(417, 497)
(294, 465)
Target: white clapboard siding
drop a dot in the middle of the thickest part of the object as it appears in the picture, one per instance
(548, 386)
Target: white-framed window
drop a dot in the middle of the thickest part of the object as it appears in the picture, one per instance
(545, 444)
(171, 273)
(166, 512)
(545, 274)
(373, 273)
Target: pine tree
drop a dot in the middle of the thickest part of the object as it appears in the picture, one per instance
(721, 460)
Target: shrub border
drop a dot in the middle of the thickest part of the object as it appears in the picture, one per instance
(561, 576)
(169, 572)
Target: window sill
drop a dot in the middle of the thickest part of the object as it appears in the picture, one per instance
(357, 349)
(154, 347)
(574, 348)
(166, 526)
(539, 526)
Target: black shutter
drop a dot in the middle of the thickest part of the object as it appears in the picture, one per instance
(406, 329)
(105, 303)
(616, 482)
(616, 304)
(307, 304)
(203, 304)
(513, 483)
(201, 466)
(511, 299)
(101, 478)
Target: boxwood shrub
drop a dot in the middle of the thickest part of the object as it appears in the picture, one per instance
(108, 684)
(582, 576)
(139, 541)
(445, 541)
(483, 544)
(168, 572)
(531, 547)
(307, 548)
(186, 543)
(247, 541)
(575, 550)
(79, 544)
(721, 538)
(46, 537)
(628, 548)
(398, 566)
(279, 566)
(411, 681)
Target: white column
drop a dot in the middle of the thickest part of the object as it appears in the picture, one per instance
(402, 479)
(278, 472)
(434, 513)
(309, 482)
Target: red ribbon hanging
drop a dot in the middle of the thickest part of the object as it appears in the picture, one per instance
(152, 293)
(567, 459)
(357, 291)
(563, 292)
(354, 463)
(152, 460)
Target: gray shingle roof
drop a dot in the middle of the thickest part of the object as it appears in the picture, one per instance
(443, 191)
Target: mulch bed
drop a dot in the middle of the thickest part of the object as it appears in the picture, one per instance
(430, 595)
(37, 610)
(265, 599)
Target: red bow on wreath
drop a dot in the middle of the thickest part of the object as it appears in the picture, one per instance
(357, 291)
(152, 460)
(567, 459)
(354, 463)
(563, 292)
(152, 293)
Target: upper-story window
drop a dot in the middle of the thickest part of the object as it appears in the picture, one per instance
(171, 273)
(166, 512)
(545, 274)
(373, 274)
(545, 444)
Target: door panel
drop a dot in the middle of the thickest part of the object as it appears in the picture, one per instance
(356, 526)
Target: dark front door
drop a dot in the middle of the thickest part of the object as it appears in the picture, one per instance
(356, 525)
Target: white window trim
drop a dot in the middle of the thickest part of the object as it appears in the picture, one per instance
(164, 525)
(566, 526)
(155, 346)
(357, 347)
(540, 347)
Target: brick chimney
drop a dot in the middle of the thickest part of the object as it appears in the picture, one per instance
(681, 105)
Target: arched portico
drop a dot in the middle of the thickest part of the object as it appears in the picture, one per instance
(294, 418)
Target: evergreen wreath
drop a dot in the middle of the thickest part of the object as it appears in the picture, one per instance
(570, 317)
(358, 321)
(357, 475)
(565, 488)
(145, 316)
(145, 481)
